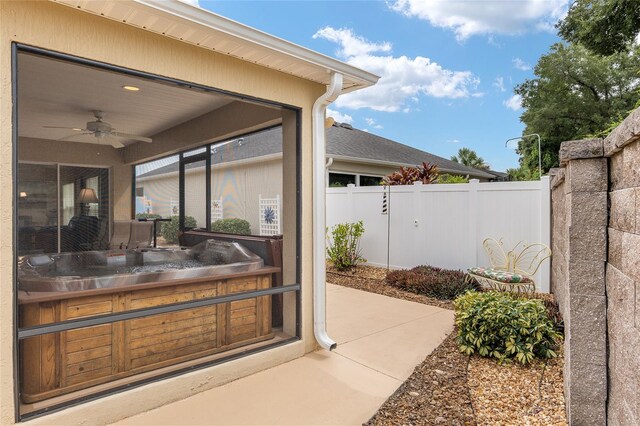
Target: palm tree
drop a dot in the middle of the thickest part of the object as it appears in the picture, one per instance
(468, 157)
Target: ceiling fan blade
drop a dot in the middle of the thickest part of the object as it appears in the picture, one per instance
(74, 135)
(128, 136)
(116, 143)
(77, 129)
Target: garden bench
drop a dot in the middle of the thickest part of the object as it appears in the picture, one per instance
(512, 270)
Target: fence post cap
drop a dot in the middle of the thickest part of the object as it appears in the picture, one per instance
(417, 182)
(351, 185)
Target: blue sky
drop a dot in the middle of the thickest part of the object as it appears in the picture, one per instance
(448, 67)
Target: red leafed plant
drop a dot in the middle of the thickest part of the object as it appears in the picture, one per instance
(427, 173)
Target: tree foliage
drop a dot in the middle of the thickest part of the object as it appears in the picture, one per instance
(470, 158)
(603, 26)
(575, 93)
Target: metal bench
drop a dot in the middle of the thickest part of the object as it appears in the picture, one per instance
(510, 271)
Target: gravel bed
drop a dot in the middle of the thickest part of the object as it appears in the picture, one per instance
(449, 388)
(512, 394)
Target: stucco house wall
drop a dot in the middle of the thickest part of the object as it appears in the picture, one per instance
(238, 186)
(63, 29)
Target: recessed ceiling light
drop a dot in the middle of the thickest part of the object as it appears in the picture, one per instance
(77, 129)
(131, 88)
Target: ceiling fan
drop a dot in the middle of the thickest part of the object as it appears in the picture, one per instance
(102, 131)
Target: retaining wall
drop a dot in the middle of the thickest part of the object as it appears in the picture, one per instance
(595, 274)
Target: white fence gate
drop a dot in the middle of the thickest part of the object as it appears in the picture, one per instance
(444, 225)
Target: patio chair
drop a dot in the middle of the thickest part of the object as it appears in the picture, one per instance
(141, 235)
(510, 271)
(121, 234)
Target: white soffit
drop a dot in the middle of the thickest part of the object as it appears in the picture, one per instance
(191, 24)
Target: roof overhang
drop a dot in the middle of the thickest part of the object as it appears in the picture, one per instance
(476, 173)
(200, 27)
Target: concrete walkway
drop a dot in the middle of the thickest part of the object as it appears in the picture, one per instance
(380, 341)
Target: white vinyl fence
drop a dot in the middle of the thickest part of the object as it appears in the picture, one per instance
(444, 225)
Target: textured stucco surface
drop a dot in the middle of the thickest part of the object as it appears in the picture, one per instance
(63, 29)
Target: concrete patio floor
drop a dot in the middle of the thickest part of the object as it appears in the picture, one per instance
(380, 341)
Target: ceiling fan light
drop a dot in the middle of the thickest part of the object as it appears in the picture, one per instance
(131, 88)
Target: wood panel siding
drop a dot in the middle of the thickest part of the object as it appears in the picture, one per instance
(57, 364)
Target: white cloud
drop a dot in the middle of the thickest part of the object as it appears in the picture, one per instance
(514, 102)
(520, 64)
(453, 141)
(192, 2)
(402, 79)
(499, 84)
(351, 44)
(371, 122)
(339, 117)
(473, 17)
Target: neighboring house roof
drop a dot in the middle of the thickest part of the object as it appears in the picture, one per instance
(207, 30)
(343, 143)
(498, 174)
(347, 143)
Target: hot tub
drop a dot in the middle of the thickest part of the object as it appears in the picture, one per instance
(121, 268)
(66, 286)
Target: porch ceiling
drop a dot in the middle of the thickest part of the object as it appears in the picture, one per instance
(58, 93)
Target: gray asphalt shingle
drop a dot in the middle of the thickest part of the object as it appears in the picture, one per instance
(342, 141)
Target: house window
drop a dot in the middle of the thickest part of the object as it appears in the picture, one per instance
(68, 201)
(339, 180)
(370, 180)
(93, 183)
(139, 192)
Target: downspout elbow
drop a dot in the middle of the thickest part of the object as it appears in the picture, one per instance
(319, 248)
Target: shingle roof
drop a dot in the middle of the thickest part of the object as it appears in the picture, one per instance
(342, 141)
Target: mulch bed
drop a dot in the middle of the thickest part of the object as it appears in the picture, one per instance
(449, 388)
(435, 393)
(372, 279)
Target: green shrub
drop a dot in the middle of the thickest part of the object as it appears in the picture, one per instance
(553, 311)
(147, 216)
(446, 178)
(500, 325)
(170, 230)
(433, 282)
(343, 247)
(232, 226)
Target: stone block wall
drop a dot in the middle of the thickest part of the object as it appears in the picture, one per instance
(579, 212)
(622, 147)
(595, 274)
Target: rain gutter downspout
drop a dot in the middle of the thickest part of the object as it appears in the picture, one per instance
(319, 227)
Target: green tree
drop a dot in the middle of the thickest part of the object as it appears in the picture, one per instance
(470, 158)
(575, 93)
(603, 26)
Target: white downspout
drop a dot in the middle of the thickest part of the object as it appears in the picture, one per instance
(326, 172)
(319, 178)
